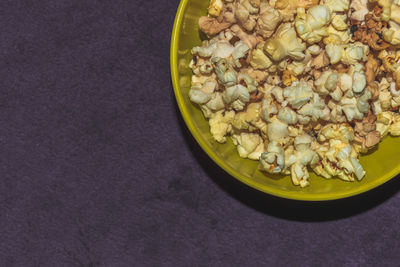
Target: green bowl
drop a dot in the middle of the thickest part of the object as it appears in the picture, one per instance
(381, 165)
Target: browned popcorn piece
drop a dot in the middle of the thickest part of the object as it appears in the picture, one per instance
(369, 33)
(366, 134)
(372, 68)
(320, 61)
(256, 96)
(211, 26)
(288, 78)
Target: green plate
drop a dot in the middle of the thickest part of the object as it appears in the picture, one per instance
(381, 165)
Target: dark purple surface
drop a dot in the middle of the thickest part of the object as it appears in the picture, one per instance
(98, 169)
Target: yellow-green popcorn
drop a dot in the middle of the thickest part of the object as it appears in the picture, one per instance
(338, 159)
(221, 125)
(277, 129)
(392, 34)
(248, 119)
(327, 82)
(394, 129)
(285, 44)
(245, 80)
(301, 67)
(383, 123)
(336, 36)
(339, 22)
(249, 145)
(215, 7)
(337, 5)
(299, 157)
(298, 94)
(341, 132)
(312, 25)
(348, 54)
(259, 60)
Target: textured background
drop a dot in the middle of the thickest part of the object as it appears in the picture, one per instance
(98, 169)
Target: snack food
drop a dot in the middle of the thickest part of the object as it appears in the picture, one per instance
(308, 85)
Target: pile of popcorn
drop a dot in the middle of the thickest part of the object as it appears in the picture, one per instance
(300, 84)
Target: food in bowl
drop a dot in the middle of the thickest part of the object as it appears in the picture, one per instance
(300, 85)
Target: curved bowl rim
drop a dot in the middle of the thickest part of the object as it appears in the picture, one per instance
(272, 191)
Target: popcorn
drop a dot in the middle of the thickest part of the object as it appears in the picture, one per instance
(320, 61)
(300, 158)
(226, 74)
(311, 27)
(339, 22)
(392, 35)
(370, 31)
(337, 5)
(259, 60)
(249, 145)
(269, 108)
(237, 95)
(288, 8)
(348, 54)
(365, 133)
(215, 7)
(284, 44)
(221, 125)
(297, 68)
(394, 129)
(360, 9)
(314, 50)
(383, 123)
(277, 92)
(242, 14)
(385, 96)
(273, 160)
(294, 82)
(211, 26)
(350, 109)
(250, 39)
(338, 159)
(268, 20)
(326, 82)
(240, 51)
(298, 94)
(247, 81)
(390, 10)
(390, 64)
(288, 78)
(342, 132)
(371, 70)
(359, 81)
(204, 94)
(249, 118)
(277, 129)
(287, 115)
(336, 36)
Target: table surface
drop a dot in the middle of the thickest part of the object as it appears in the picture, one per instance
(98, 168)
